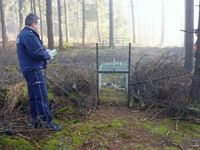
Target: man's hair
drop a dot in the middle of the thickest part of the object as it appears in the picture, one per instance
(30, 19)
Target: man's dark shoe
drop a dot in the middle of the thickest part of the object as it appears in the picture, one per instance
(54, 127)
(32, 125)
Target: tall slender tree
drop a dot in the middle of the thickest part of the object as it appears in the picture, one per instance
(66, 21)
(195, 86)
(111, 34)
(20, 2)
(41, 20)
(76, 15)
(162, 23)
(83, 22)
(133, 21)
(3, 26)
(98, 30)
(188, 40)
(60, 25)
(34, 6)
(31, 2)
(49, 24)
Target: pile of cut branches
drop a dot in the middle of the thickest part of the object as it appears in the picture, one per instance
(72, 85)
(162, 82)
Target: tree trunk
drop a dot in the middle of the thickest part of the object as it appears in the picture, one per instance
(34, 7)
(66, 21)
(111, 36)
(195, 86)
(31, 2)
(49, 24)
(133, 22)
(40, 11)
(188, 41)
(60, 25)
(76, 15)
(162, 23)
(20, 14)
(98, 30)
(83, 22)
(3, 25)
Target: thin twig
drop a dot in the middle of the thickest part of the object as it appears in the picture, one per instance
(29, 139)
(148, 110)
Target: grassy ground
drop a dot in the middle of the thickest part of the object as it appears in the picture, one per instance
(115, 128)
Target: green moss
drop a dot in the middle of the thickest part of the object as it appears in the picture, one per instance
(190, 129)
(75, 136)
(176, 137)
(124, 147)
(54, 144)
(10, 69)
(77, 140)
(16, 143)
(170, 148)
(67, 110)
(125, 134)
(58, 140)
(79, 134)
(85, 128)
(139, 147)
(159, 128)
(51, 96)
(150, 148)
(101, 126)
(116, 123)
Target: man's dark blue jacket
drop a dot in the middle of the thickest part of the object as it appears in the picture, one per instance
(30, 51)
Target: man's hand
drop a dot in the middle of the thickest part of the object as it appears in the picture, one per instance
(52, 53)
(194, 48)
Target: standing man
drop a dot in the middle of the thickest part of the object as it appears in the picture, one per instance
(33, 59)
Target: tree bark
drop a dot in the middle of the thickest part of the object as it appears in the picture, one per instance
(162, 24)
(83, 22)
(20, 2)
(111, 36)
(195, 86)
(34, 7)
(41, 23)
(76, 15)
(66, 21)
(60, 25)
(3, 26)
(98, 30)
(133, 22)
(188, 40)
(49, 24)
(31, 2)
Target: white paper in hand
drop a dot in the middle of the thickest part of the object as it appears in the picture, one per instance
(53, 53)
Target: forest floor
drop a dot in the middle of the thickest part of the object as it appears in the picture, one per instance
(105, 128)
(112, 128)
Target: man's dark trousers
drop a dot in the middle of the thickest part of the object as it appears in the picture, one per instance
(38, 99)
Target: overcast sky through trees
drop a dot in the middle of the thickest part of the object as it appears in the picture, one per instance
(148, 21)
